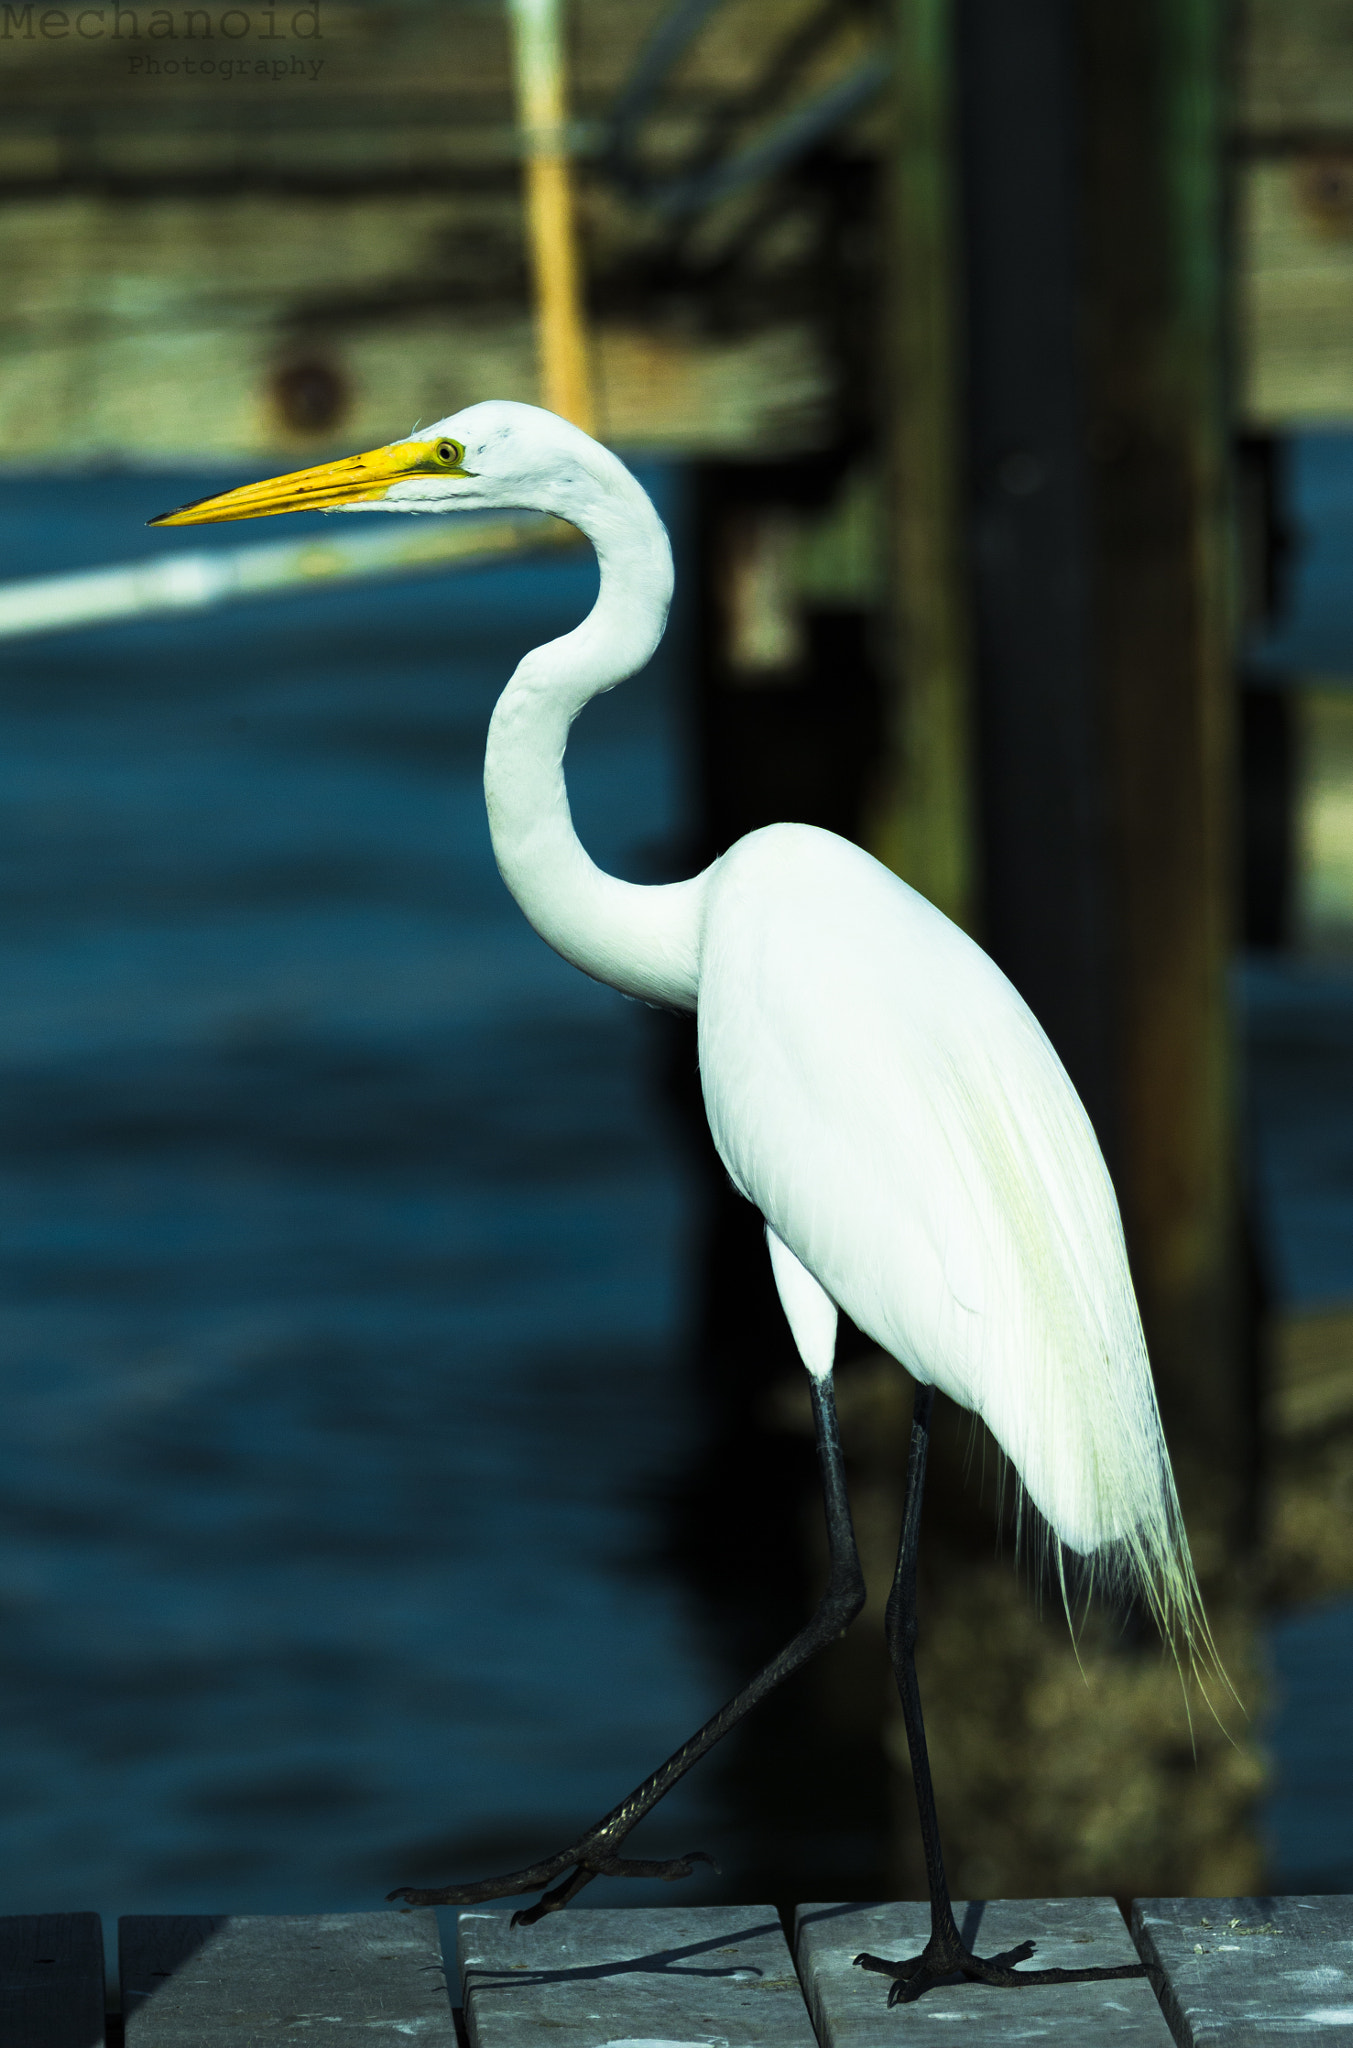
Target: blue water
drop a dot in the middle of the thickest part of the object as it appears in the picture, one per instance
(1299, 1030)
(343, 1253)
(1314, 636)
(1298, 1024)
(1307, 1821)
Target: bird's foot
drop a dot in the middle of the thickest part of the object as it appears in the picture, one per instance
(947, 1961)
(582, 1862)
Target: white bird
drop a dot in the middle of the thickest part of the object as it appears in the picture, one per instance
(874, 1085)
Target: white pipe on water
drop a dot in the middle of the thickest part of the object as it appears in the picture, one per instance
(191, 582)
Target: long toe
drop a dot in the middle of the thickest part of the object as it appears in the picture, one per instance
(907, 1990)
(881, 1964)
(532, 1879)
(992, 1973)
(554, 1901)
(582, 1862)
(998, 1969)
(669, 1868)
(913, 1976)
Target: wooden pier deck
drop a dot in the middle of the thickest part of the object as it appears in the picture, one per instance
(1219, 1973)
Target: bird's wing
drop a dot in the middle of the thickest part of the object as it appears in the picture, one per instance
(878, 1089)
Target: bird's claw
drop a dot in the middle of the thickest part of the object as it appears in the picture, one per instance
(945, 1962)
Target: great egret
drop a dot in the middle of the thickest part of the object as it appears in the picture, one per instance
(873, 1084)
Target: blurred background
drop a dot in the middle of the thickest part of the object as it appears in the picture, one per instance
(404, 1448)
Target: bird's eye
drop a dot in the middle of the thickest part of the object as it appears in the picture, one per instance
(447, 451)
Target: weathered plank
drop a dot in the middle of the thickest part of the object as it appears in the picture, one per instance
(1294, 221)
(849, 2006)
(203, 1981)
(231, 282)
(1238, 1973)
(921, 824)
(390, 87)
(51, 1980)
(688, 1975)
(1293, 68)
(1310, 1388)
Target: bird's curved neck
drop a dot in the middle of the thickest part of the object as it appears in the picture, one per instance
(640, 940)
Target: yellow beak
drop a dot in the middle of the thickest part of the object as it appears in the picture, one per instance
(355, 480)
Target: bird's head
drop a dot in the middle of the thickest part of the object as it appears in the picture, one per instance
(495, 456)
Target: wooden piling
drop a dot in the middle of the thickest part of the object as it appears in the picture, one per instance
(1162, 646)
(921, 821)
(551, 212)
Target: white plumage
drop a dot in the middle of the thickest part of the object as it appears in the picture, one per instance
(874, 1084)
(880, 1092)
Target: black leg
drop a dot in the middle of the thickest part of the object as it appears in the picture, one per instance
(945, 1954)
(595, 1853)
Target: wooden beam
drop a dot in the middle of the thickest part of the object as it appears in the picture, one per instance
(922, 817)
(1249, 1970)
(551, 214)
(1047, 913)
(167, 329)
(51, 1980)
(1157, 430)
(848, 2008)
(1294, 296)
(355, 1980)
(1293, 68)
(652, 1974)
(1093, 484)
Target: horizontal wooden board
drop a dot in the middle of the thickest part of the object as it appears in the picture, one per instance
(850, 2005)
(140, 324)
(1294, 67)
(51, 1981)
(457, 50)
(1295, 290)
(1311, 1386)
(122, 89)
(166, 329)
(351, 1980)
(202, 201)
(693, 1976)
(1241, 1973)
